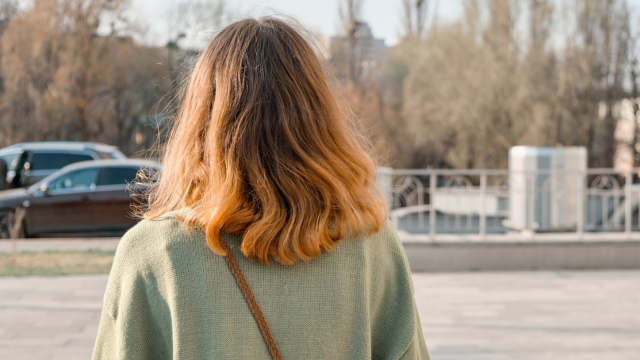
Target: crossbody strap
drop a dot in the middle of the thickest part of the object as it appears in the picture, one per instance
(251, 300)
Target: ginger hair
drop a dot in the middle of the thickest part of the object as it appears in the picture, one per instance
(261, 147)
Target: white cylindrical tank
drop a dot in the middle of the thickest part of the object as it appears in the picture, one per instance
(543, 186)
(384, 182)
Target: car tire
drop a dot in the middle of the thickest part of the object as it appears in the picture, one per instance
(7, 223)
(5, 232)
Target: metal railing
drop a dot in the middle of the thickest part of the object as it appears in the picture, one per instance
(426, 204)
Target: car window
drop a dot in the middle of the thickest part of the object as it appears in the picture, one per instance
(49, 161)
(102, 155)
(80, 157)
(10, 159)
(21, 161)
(117, 175)
(117, 155)
(79, 179)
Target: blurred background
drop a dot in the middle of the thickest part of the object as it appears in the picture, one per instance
(506, 132)
(442, 84)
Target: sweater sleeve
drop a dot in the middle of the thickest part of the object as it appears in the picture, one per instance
(396, 328)
(135, 322)
(417, 348)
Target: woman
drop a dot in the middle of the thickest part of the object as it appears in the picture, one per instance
(261, 161)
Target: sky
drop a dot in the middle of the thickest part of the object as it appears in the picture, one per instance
(320, 16)
(383, 16)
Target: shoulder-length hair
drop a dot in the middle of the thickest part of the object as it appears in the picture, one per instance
(261, 148)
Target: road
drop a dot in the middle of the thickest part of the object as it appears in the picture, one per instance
(480, 316)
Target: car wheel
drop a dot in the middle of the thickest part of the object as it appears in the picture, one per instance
(12, 224)
(5, 219)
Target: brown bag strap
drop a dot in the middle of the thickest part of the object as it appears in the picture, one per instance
(251, 300)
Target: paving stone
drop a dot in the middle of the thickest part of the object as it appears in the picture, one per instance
(531, 315)
(480, 316)
(78, 244)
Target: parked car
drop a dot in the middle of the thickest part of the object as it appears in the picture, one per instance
(28, 163)
(86, 197)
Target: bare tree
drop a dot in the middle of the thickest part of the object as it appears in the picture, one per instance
(189, 24)
(132, 87)
(596, 65)
(634, 64)
(193, 21)
(64, 81)
(73, 71)
(9, 9)
(414, 18)
(350, 15)
(476, 87)
(79, 20)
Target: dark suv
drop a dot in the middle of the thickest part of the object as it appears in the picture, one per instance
(28, 163)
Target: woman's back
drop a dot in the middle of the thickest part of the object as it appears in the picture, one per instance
(262, 150)
(169, 296)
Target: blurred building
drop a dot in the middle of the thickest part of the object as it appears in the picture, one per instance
(363, 52)
(626, 133)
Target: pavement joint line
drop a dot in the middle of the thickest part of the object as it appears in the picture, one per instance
(530, 328)
(48, 308)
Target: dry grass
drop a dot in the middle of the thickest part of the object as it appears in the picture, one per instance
(56, 263)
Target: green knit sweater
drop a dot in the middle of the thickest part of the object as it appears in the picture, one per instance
(170, 297)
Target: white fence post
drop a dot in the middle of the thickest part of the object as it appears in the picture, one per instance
(581, 195)
(483, 206)
(627, 204)
(433, 183)
(532, 202)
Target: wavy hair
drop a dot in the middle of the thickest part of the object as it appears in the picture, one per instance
(261, 148)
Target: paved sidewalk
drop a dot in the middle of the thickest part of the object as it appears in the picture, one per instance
(480, 316)
(80, 244)
(55, 318)
(531, 315)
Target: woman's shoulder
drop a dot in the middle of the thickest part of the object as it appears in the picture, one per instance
(147, 229)
(379, 252)
(155, 235)
(385, 242)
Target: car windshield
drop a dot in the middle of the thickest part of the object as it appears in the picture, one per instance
(77, 180)
(58, 178)
(46, 180)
